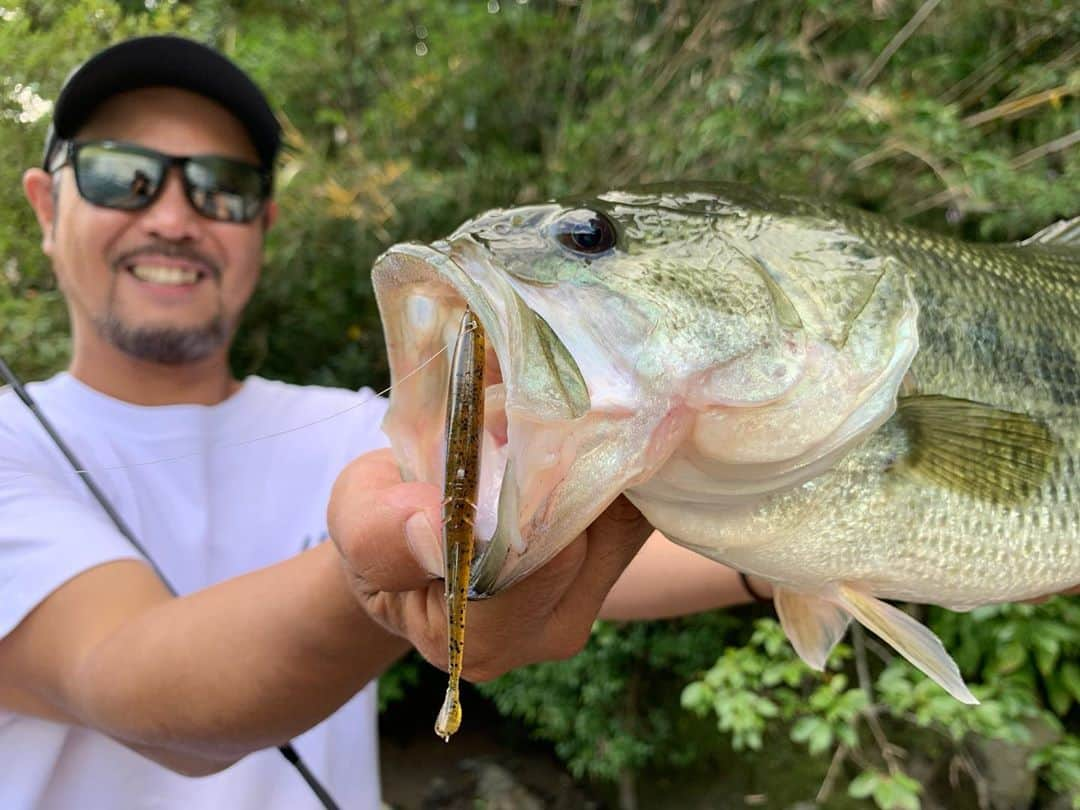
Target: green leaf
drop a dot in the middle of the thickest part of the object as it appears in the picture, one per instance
(1011, 657)
(864, 784)
(804, 728)
(1069, 675)
(1059, 696)
(821, 739)
(697, 697)
(893, 794)
(766, 708)
(846, 734)
(1047, 650)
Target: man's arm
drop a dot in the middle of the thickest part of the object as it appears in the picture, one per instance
(199, 681)
(666, 580)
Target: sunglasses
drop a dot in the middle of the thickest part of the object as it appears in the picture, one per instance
(129, 178)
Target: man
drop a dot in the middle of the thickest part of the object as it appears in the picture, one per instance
(114, 692)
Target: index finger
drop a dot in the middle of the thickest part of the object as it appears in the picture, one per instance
(367, 515)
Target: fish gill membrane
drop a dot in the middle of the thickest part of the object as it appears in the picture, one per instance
(855, 410)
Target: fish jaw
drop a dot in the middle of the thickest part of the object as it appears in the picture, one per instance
(554, 454)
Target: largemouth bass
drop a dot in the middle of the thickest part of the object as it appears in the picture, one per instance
(854, 410)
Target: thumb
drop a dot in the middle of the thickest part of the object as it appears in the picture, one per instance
(385, 530)
(425, 543)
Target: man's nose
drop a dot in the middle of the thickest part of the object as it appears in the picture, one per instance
(171, 215)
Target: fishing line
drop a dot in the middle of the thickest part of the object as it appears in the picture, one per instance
(228, 445)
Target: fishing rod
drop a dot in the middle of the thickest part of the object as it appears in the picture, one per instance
(287, 750)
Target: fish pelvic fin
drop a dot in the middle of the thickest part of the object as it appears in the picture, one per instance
(909, 638)
(813, 625)
(988, 453)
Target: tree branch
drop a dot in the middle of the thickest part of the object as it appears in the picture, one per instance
(902, 36)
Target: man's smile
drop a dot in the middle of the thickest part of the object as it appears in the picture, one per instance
(163, 274)
(167, 271)
(165, 279)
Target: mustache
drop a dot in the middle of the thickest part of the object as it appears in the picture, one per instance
(172, 250)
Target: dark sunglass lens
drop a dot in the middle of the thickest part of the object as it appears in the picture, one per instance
(224, 189)
(115, 177)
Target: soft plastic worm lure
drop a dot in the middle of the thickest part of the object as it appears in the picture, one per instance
(464, 432)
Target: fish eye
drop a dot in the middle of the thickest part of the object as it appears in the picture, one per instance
(586, 232)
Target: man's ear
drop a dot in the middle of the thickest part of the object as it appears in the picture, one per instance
(270, 214)
(38, 187)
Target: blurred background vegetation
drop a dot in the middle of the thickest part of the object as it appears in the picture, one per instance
(405, 118)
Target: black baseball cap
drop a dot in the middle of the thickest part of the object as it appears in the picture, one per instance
(163, 61)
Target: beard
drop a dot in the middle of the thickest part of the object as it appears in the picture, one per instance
(170, 346)
(166, 345)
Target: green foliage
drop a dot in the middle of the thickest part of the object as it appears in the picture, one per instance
(1002, 708)
(750, 686)
(1037, 646)
(889, 792)
(406, 118)
(613, 708)
(1060, 765)
(403, 119)
(29, 321)
(754, 687)
(396, 683)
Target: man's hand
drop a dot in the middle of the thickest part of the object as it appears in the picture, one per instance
(388, 535)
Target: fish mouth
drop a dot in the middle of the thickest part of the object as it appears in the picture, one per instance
(551, 457)
(422, 292)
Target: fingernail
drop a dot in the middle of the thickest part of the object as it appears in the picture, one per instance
(424, 544)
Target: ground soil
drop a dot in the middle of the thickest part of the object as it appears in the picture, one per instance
(491, 762)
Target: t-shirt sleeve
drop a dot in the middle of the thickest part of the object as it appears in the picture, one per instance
(49, 533)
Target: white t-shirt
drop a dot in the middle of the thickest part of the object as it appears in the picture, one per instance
(228, 501)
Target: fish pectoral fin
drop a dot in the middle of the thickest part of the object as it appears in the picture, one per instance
(991, 454)
(812, 624)
(909, 638)
(561, 391)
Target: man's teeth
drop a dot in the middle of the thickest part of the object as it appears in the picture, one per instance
(165, 275)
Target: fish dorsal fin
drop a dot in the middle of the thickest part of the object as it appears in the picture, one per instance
(991, 454)
(812, 624)
(1064, 232)
(909, 638)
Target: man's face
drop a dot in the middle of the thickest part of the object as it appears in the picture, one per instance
(163, 284)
